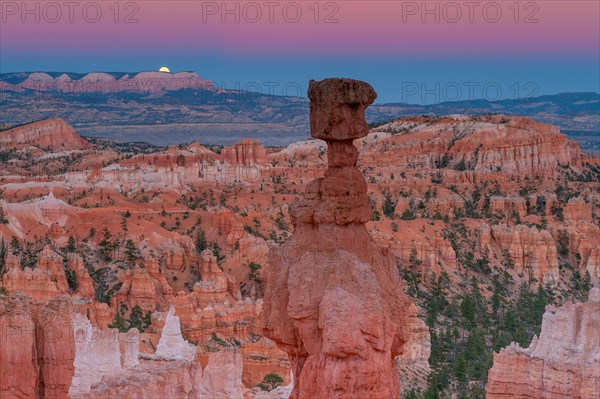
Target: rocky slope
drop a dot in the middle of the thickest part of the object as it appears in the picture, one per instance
(488, 144)
(53, 135)
(564, 362)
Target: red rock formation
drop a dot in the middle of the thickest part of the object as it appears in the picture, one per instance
(85, 285)
(176, 253)
(261, 358)
(487, 146)
(213, 285)
(154, 270)
(508, 207)
(563, 363)
(37, 348)
(593, 263)
(532, 250)
(53, 262)
(45, 282)
(99, 313)
(446, 206)
(233, 288)
(52, 134)
(55, 211)
(171, 344)
(222, 376)
(246, 152)
(577, 209)
(226, 223)
(413, 362)
(138, 289)
(173, 158)
(18, 348)
(334, 300)
(584, 240)
(199, 323)
(433, 252)
(174, 379)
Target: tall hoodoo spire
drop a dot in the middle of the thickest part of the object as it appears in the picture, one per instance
(334, 300)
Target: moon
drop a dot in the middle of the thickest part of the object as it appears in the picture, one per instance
(164, 69)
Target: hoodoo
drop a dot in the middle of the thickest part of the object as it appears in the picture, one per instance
(334, 300)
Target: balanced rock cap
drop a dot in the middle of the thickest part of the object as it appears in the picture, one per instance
(337, 108)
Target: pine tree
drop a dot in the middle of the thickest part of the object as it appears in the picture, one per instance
(460, 369)
(200, 241)
(389, 206)
(3, 252)
(550, 294)
(586, 283)
(15, 246)
(217, 252)
(71, 279)
(138, 320)
(3, 219)
(563, 242)
(411, 274)
(106, 244)
(467, 309)
(124, 227)
(131, 252)
(71, 244)
(411, 395)
(270, 382)
(118, 322)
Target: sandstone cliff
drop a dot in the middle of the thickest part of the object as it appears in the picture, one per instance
(46, 281)
(512, 146)
(563, 363)
(49, 134)
(37, 348)
(247, 152)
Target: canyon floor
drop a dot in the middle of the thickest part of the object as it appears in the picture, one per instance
(150, 264)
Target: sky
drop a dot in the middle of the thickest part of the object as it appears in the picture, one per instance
(410, 51)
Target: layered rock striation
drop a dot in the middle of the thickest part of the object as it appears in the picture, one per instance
(246, 152)
(482, 147)
(47, 281)
(334, 301)
(37, 348)
(51, 134)
(564, 362)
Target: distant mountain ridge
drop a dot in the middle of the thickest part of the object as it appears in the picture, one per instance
(15, 78)
(163, 108)
(563, 103)
(103, 82)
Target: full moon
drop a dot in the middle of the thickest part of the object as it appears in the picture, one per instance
(164, 69)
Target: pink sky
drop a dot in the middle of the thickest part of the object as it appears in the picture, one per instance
(371, 28)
